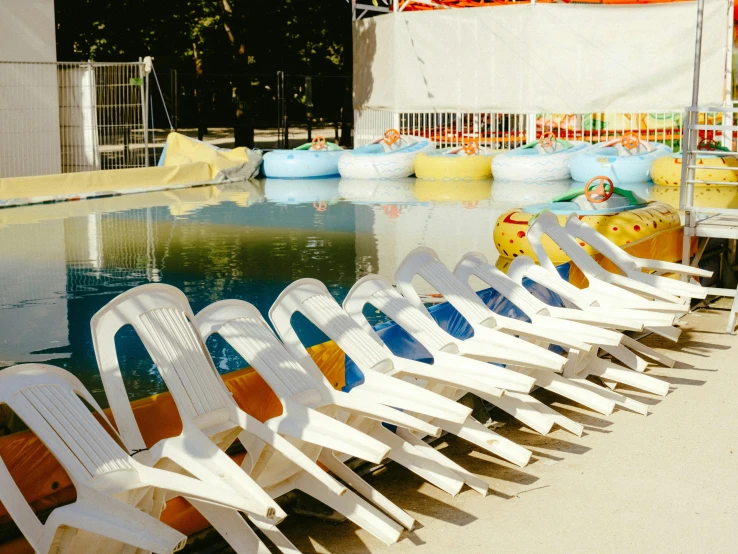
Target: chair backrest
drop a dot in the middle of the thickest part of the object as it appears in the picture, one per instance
(48, 400)
(425, 263)
(375, 290)
(523, 266)
(474, 263)
(243, 327)
(578, 229)
(547, 223)
(311, 298)
(163, 320)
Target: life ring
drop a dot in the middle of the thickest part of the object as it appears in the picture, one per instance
(666, 173)
(309, 161)
(615, 160)
(388, 157)
(455, 164)
(536, 162)
(511, 230)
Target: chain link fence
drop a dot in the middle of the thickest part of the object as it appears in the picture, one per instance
(62, 117)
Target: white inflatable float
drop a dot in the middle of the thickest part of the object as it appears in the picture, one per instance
(390, 157)
(543, 160)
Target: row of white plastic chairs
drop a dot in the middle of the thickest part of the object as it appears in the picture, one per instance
(122, 483)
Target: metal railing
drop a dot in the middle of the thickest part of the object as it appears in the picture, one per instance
(63, 117)
(506, 131)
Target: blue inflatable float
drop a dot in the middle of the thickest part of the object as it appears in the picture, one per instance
(313, 160)
(622, 160)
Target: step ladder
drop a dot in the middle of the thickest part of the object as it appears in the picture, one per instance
(706, 128)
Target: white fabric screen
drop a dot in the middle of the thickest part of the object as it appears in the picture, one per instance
(559, 58)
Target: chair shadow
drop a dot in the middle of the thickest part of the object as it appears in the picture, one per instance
(681, 381)
(700, 348)
(480, 462)
(405, 489)
(576, 412)
(690, 367)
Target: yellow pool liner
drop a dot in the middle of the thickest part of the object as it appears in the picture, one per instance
(187, 163)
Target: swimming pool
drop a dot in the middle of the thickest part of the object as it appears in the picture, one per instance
(60, 263)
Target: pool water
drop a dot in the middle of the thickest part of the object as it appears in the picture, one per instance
(60, 263)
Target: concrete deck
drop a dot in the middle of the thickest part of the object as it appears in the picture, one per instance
(667, 482)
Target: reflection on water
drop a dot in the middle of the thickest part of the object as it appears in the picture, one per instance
(60, 263)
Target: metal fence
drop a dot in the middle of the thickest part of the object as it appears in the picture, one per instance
(262, 110)
(505, 131)
(61, 117)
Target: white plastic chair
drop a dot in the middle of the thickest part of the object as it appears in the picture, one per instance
(119, 500)
(448, 352)
(608, 289)
(424, 262)
(303, 386)
(524, 267)
(633, 267)
(211, 419)
(381, 383)
(542, 314)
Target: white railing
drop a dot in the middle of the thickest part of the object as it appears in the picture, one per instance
(62, 117)
(505, 131)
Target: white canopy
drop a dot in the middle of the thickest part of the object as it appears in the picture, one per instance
(544, 58)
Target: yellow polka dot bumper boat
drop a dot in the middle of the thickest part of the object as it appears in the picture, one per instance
(617, 213)
(666, 173)
(468, 162)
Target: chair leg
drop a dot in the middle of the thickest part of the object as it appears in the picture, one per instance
(648, 352)
(354, 508)
(619, 399)
(559, 419)
(731, 319)
(233, 528)
(432, 454)
(613, 372)
(524, 411)
(355, 481)
(479, 435)
(275, 535)
(412, 458)
(671, 333)
(627, 357)
(564, 387)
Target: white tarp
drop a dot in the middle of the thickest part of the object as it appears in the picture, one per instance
(544, 58)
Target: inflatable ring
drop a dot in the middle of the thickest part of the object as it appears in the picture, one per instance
(667, 174)
(381, 161)
(451, 165)
(315, 159)
(529, 164)
(511, 229)
(605, 159)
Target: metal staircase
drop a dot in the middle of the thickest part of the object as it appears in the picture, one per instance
(708, 130)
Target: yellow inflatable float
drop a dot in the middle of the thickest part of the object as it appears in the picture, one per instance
(666, 173)
(625, 219)
(468, 162)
